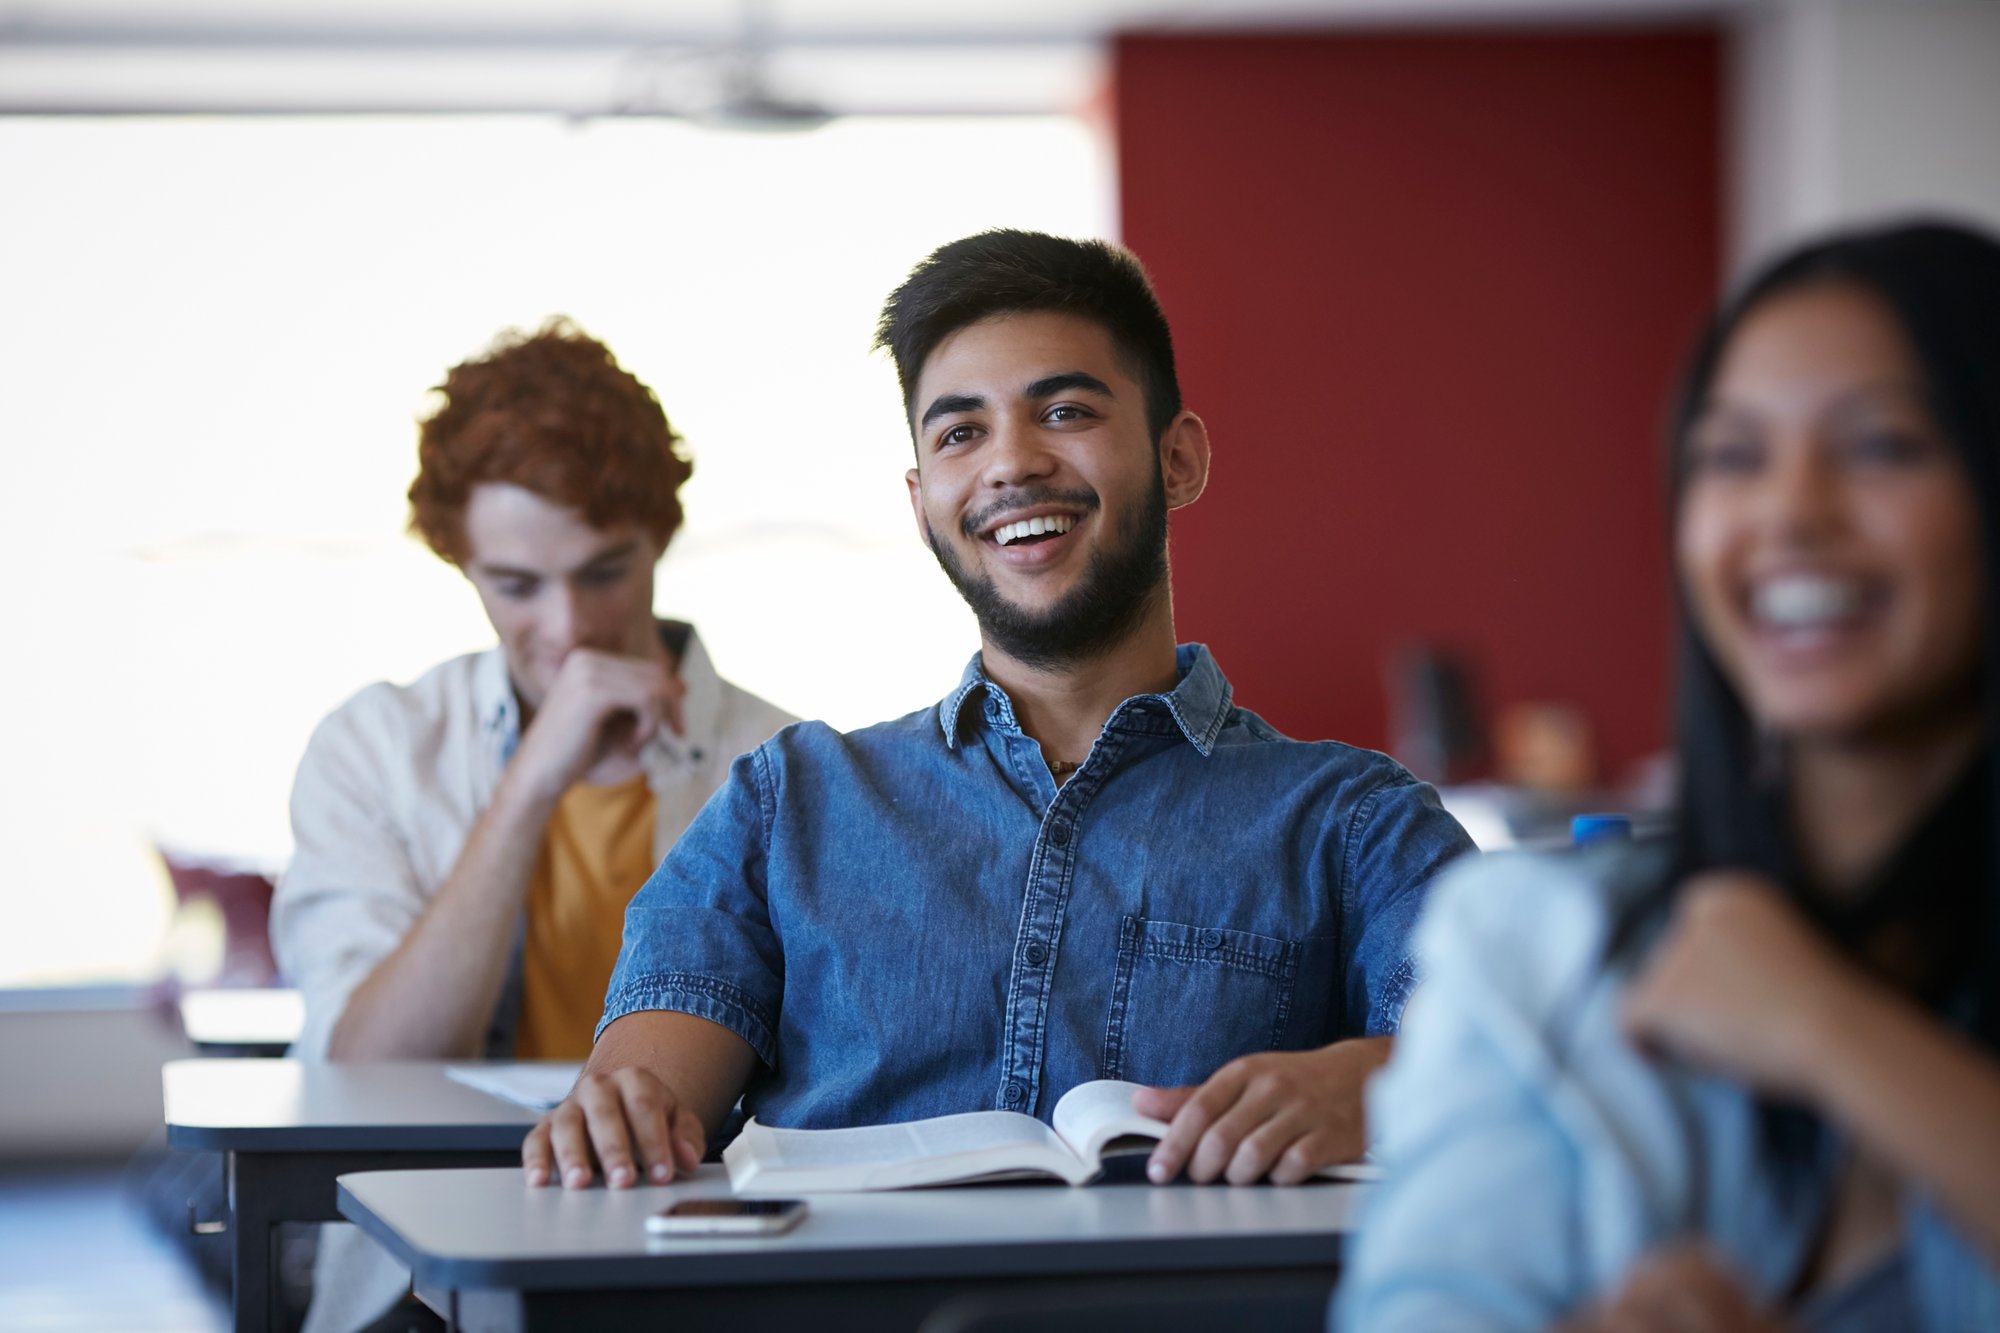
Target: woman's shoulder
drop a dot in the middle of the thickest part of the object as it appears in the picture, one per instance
(1531, 928)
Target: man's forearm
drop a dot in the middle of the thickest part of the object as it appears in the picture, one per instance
(433, 997)
(704, 1064)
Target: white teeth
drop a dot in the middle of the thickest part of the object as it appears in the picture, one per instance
(1033, 527)
(1799, 600)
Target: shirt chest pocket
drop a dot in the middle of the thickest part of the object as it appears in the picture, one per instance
(1188, 999)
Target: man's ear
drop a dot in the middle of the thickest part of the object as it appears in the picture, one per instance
(1184, 459)
(915, 479)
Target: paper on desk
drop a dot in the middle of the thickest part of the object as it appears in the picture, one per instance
(535, 1086)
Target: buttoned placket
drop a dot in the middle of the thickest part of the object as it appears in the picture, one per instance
(1051, 873)
(1057, 851)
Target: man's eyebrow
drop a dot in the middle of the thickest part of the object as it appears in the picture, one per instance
(607, 556)
(612, 553)
(1064, 381)
(946, 404)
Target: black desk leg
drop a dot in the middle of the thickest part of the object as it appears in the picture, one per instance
(266, 1188)
(254, 1214)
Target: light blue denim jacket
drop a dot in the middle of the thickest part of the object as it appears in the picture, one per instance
(913, 919)
(1533, 1154)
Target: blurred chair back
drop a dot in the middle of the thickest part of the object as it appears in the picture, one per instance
(244, 899)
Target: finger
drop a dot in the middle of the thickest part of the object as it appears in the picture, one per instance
(1679, 1291)
(1263, 1149)
(1645, 1007)
(1195, 1122)
(1255, 1111)
(1635, 1014)
(670, 706)
(571, 1141)
(1311, 1153)
(649, 1109)
(604, 1112)
(644, 725)
(1200, 1109)
(537, 1160)
(1712, 1298)
(1161, 1103)
(690, 1140)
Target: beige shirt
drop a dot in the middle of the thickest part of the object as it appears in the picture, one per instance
(385, 798)
(393, 781)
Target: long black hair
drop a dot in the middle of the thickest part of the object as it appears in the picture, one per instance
(1942, 283)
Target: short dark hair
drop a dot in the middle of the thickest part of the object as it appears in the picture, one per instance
(1007, 272)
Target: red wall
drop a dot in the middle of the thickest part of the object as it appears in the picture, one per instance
(1430, 294)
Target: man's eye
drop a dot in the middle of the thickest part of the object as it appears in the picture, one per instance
(957, 435)
(517, 590)
(603, 578)
(1065, 412)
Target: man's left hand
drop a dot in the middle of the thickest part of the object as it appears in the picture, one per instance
(1281, 1114)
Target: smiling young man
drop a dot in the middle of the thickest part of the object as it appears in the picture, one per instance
(1084, 863)
(466, 844)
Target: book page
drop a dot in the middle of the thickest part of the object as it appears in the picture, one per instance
(949, 1135)
(1096, 1119)
(1091, 1115)
(876, 1145)
(948, 1149)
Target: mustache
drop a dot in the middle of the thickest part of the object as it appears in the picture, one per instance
(1023, 497)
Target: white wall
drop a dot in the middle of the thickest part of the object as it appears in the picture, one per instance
(1852, 110)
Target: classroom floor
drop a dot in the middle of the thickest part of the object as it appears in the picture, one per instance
(77, 1256)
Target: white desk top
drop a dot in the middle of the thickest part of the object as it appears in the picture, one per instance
(346, 1106)
(487, 1229)
(247, 1017)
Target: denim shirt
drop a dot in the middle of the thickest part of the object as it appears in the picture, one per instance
(1534, 1155)
(914, 919)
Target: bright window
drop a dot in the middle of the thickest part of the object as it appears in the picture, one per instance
(217, 334)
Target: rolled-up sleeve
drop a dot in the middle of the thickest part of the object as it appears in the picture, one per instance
(350, 893)
(698, 936)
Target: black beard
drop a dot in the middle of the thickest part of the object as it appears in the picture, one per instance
(1120, 586)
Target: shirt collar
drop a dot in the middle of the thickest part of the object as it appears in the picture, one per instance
(701, 705)
(493, 700)
(1200, 705)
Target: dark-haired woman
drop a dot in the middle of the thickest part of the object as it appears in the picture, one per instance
(1751, 1079)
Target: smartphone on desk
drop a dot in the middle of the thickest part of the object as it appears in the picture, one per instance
(727, 1217)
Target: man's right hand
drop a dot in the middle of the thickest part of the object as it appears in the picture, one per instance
(601, 706)
(625, 1121)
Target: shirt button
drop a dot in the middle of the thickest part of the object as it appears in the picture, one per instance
(1211, 939)
(1038, 953)
(1059, 835)
(1013, 1093)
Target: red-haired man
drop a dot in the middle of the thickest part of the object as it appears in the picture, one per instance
(466, 844)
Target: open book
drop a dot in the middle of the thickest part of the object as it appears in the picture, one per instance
(1094, 1124)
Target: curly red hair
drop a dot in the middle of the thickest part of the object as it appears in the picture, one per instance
(555, 413)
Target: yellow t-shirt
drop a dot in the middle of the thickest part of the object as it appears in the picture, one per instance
(597, 852)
